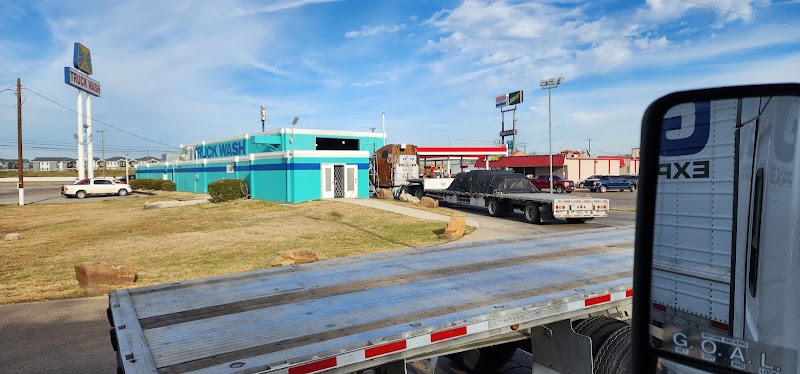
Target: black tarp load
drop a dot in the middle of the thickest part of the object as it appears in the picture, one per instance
(491, 182)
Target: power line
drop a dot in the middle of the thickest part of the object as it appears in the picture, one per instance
(741, 14)
(100, 122)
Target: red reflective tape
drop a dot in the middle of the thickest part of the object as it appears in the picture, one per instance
(314, 366)
(719, 325)
(447, 334)
(659, 307)
(384, 349)
(597, 300)
(629, 293)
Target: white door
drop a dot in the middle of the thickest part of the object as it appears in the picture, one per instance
(327, 181)
(351, 181)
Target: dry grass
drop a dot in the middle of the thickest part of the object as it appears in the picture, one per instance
(174, 244)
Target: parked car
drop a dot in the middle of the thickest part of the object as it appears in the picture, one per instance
(94, 186)
(606, 182)
(560, 185)
(585, 183)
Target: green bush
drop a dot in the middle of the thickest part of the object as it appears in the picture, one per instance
(152, 184)
(227, 190)
(141, 184)
(166, 185)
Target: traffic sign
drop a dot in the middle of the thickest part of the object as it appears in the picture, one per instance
(508, 132)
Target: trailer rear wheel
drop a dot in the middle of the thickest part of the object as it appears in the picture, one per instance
(532, 213)
(599, 329)
(614, 357)
(496, 208)
(485, 360)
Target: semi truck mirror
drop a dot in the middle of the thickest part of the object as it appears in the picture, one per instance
(717, 259)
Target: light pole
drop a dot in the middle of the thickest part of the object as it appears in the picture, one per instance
(549, 84)
(263, 117)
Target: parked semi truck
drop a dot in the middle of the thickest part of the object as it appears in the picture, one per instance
(395, 166)
(474, 302)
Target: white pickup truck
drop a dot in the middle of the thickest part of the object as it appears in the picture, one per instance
(94, 186)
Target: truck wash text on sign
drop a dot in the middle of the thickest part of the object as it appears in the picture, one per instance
(236, 148)
(76, 79)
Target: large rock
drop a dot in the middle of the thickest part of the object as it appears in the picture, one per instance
(14, 236)
(409, 198)
(98, 277)
(429, 202)
(385, 194)
(455, 228)
(293, 257)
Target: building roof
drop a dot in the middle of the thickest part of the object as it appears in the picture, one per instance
(115, 158)
(46, 159)
(523, 161)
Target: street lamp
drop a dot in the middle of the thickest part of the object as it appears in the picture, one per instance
(263, 117)
(549, 84)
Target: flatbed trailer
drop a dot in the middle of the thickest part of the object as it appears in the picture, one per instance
(535, 207)
(379, 310)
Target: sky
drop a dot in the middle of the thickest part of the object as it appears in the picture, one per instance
(179, 72)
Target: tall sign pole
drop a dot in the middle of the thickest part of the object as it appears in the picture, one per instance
(20, 164)
(90, 144)
(78, 77)
(81, 155)
(502, 101)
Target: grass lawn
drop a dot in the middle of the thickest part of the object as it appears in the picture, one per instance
(174, 244)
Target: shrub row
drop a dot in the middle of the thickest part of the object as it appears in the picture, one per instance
(227, 190)
(152, 184)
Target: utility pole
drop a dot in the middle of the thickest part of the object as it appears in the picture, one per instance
(103, 150)
(524, 147)
(20, 164)
(589, 151)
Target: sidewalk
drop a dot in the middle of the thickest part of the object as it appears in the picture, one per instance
(482, 232)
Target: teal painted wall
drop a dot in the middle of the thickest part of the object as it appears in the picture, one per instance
(267, 178)
(275, 143)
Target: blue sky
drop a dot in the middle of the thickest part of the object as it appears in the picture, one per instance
(185, 71)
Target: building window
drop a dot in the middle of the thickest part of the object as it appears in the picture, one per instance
(337, 144)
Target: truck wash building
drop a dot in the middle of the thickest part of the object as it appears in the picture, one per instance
(286, 165)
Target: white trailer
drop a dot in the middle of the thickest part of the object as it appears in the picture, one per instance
(535, 207)
(383, 310)
(726, 252)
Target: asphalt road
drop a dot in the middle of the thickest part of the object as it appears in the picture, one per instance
(72, 335)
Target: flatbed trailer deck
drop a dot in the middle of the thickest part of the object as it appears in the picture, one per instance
(536, 207)
(361, 312)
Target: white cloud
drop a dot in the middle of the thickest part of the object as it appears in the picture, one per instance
(275, 6)
(374, 30)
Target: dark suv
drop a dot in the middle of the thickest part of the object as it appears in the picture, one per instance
(607, 182)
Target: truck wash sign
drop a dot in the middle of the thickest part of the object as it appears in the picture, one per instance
(229, 149)
(77, 79)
